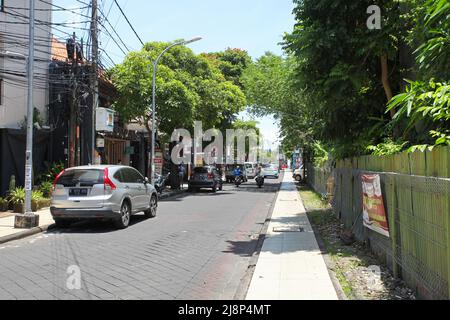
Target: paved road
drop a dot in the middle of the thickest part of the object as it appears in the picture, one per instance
(198, 247)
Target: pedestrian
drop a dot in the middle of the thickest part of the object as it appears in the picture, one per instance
(181, 172)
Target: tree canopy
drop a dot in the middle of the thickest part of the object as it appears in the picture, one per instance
(331, 89)
(190, 88)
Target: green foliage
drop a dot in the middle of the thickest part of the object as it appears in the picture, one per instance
(3, 204)
(17, 196)
(12, 183)
(46, 188)
(37, 195)
(327, 88)
(387, 147)
(50, 173)
(320, 155)
(232, 63)
(189, 87)
(425, 104)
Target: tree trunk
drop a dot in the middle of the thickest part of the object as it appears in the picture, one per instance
(387, 88)
(385, 81)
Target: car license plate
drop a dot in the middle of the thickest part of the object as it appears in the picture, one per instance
(78, 192)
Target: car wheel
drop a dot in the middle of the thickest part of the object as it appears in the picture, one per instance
(125, 216)
(63, 223)
(151, 213)
(298, 178)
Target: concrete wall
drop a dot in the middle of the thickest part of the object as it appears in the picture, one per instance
(14, 37)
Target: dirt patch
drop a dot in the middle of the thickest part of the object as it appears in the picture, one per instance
(360, 274)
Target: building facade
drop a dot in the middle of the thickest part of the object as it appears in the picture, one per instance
(14, 44)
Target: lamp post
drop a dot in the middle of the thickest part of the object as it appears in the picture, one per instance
(155, 66)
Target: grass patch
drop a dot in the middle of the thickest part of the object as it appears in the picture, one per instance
(321, 217)
(348, 262)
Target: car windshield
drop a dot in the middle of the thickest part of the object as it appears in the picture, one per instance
(85, 177)
(201, 170)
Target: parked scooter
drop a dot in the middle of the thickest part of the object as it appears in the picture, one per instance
(161, 182)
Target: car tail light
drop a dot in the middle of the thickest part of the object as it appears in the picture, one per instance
(109, 185)
(210, 176)
(57, 178)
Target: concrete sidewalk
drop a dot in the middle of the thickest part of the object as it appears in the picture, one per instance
(290, 265)
(9, 233)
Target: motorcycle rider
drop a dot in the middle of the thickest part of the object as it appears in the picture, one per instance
(258, 171)
(238, 173)
(259, 175)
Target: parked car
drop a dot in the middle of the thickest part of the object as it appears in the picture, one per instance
(205, 177)
(229, 173)
(298, 174)
(102, 192)
(271, 170)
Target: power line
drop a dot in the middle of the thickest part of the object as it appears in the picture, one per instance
(128, 21)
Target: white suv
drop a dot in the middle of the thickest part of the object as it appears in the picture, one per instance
(102, 192)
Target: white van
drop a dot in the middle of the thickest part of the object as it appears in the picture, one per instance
(250, 169)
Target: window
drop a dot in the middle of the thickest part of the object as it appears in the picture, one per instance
(132, 176)
(118, 176)
(85, 178)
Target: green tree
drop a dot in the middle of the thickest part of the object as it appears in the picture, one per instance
(189, 88)
(425, 104)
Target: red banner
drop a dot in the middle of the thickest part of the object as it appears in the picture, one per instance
(374, 214)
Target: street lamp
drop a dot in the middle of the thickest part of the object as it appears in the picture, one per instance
(155, 66)
(29, 220)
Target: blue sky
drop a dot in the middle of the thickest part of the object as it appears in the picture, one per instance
(253, 25)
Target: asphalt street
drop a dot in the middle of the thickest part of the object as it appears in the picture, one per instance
(199, 246)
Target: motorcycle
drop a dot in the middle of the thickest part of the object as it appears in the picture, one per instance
(238, 180)
(260, 181)
(161, 182)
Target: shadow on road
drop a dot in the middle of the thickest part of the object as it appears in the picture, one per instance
(96, 226)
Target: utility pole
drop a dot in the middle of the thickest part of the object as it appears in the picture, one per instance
(95, 98)
(29, 219)
(73, 154)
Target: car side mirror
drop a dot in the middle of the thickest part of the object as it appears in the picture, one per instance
(146, 181)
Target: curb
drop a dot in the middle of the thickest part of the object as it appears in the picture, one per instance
(242, 290)
(25, 234)
(40, 229)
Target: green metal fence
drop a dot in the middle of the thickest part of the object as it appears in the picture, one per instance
(416, 190)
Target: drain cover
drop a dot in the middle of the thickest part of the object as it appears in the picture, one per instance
(289, 229)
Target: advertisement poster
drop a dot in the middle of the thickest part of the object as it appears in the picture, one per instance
(158, 161)
(374, 214)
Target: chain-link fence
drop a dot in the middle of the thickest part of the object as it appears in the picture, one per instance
(418, 209)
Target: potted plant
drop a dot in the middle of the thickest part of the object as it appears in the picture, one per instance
(3, 205)
(46, 188)
(36, 197)
(17, 199)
